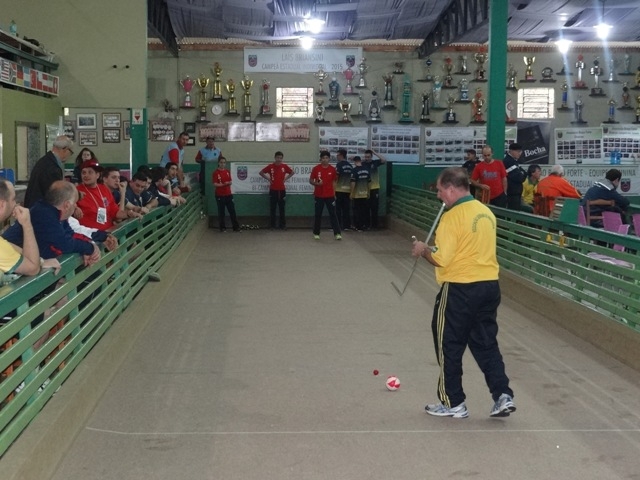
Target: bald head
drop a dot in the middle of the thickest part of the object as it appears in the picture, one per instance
(62, 195)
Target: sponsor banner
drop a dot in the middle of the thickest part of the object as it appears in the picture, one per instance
(534, 138)
(29, 78)
(298, 60)
(246, 178)
(583, 176)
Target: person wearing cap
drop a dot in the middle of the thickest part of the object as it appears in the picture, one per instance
(208, 153)
(47, 170)
(99, 209)
(515, 176)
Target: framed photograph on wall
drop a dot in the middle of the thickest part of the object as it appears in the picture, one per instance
(191, 141)
(88, 138)
(162, 130)
(86, 121)
(70, 129)
(190, 127)
(126, 130)
(111, 135)
(110, 120)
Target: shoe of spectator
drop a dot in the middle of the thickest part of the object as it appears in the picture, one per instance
(154, 277)
(439, 410)
(316, 237)
(503, 407)
(338, 237)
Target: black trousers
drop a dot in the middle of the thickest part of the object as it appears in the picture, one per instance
(465, 315)
(514, 202)
(330, 203)
(343, 207)
(276, 202)
(374, 205)
(361, 213)
(499, 201)
(227, 202)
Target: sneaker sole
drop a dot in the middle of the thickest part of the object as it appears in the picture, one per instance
(452, 415)
(505, 412)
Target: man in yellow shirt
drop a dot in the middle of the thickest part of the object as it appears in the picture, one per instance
(466, 307)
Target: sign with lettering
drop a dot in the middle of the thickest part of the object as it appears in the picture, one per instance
(298, 60)
(25, 77)
(245, 178)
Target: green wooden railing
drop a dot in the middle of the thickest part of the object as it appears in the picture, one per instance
(573, 261)
(95, 298)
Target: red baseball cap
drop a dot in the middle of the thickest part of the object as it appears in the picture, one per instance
(91, 164)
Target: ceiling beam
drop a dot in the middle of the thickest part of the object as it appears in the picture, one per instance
(456, 20)
(159, 24)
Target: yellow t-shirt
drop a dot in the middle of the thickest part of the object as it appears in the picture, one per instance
(9, 258)
(466, 244)
(528, 189)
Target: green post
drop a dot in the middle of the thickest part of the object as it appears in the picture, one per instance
(138, 132)
(497, 95)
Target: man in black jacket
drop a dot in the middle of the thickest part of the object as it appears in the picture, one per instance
(515, 176)
(47, 170)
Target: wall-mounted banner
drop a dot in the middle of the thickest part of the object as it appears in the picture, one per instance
(583, 176)
(397, 143)
(245, 178)
(578, 145)
(298, 60)
(534, 138)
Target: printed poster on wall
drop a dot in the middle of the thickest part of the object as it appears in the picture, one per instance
(268, 132)
(534, 138)
(480, 139)
(447, 145)
(354, 140)
(216, 130)
(583, 176)
(245, 178)
(397, 143)
(296, 132)
(621, 138)
(242, 132)
(575, 146)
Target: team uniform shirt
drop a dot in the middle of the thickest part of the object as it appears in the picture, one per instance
(328, 175)
(173, 154)
(372, 166)
(54, 236)
(344, 169)
(362, 179)
(222, 176)
(132, 198)
(98, 207)
(491, 174)
(528, 190)
(208, 155)
(465, 246)
(10, 259)
(277, 174)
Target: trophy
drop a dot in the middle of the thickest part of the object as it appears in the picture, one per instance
(512, 74)
(345, 107)
(508, 110)
(360, 105)
(627, 64)
(374, 108)
(612, 111)
(203, 83)
(477, 105)
(320, 111)
(528, 73)
(334, 91)
(187, 85)
(612, 73)
(579, 105)
(547, 75)
(450, 116)
(428, 77)
(405, 117)
(436, 91)
(464, 69)
(424, 115)
(265, 109)
(362, 69)
(565, 96)
(399, 70)
(637, 112)
(231, 101)
(596, 71)
(464, 90)
(348, 74)
(388, 90)
(447, 67)
(217, 83)
(321, 75)
(625, 97)
(246, 98)
(580, 66)
(480, 59)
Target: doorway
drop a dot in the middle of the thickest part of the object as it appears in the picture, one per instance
(27, 149)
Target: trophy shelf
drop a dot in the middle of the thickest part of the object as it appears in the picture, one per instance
(426, 121)
(320, 94)
(512, 89)
(479, 80)
(625, 107)
(451, 122)
(462, 73)
(548, 80)
(352, 94)
(438, 108)
(482, 122)
(358, 117)
(525, 80)
(611, 81)
(405, 121)
(635, 88)
(565, 109)
(379, 120)
(343, 122)
(636, 123)
(582, 122)
(579, 88)
(232, 114)
(265, 115)
(361, 88)
(217, 99)
(389, 107)
(609, 122)
(598, 94)
(186, 108)
(626, 74)
(452, 87)
(425, 80)
(321, 122)
(466, 100)
(332, 107)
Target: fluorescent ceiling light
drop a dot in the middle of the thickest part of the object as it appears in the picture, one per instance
(602, 30)
(563, 45)
(314, 24)
(306, 42)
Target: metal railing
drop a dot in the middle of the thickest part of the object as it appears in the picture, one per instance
(52, 322)
(573, 261)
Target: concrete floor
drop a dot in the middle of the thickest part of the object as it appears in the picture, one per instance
(259, 366)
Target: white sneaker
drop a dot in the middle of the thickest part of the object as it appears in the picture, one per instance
(439, 410)
(503, 407)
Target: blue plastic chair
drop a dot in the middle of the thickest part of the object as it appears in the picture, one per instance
(8, 174)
